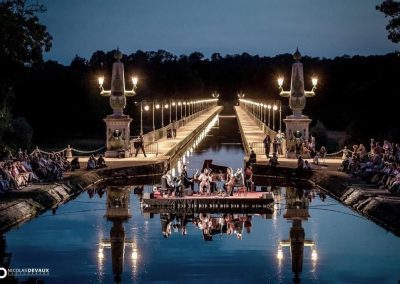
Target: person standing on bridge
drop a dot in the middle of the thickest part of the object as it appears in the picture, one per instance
(140, 145)
(267, 145)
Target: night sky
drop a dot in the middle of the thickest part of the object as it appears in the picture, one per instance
(322, 28)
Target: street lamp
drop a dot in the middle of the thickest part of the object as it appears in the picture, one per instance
(269, 113)
(118, 93)
(176, 110)
(170, 110)
(215, 94)
(146, 108)
(118, 122)
(297, 93)
(180, 104)
(275, 107)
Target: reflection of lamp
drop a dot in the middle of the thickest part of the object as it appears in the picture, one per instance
(118, 200)
(296, 210)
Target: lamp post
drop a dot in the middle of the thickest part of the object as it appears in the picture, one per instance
(297, 100)
(170, 111)
(269, 114)
(146, 108)
(184, 103)
(275, 107)
(280, 116)
(162, 114)
(118, 93)
(176, 110)
(179, 103)
(117, 124)
(154, 126)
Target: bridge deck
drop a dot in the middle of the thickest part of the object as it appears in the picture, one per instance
(166, 146)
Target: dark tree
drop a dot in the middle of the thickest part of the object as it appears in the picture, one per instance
(22, 43)
(391, 9)
(22, 38)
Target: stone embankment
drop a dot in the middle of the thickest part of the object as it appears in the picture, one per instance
(376, 204)
(22, 205)
(372, 202)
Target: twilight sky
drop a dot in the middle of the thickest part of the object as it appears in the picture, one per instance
(324, 28)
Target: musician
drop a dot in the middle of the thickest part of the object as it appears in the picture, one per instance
(185, 178)
(230, 181)
(205, 180)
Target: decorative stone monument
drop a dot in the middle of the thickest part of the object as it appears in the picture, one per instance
(297, 124)
(118, 130)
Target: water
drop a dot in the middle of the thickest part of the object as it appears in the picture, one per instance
(74, 243)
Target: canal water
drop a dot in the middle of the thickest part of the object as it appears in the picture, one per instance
(308, 238)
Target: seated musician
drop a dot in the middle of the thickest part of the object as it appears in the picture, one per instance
(167, 182)
(239, 178)
(204, 179)
(230, 181)
(185, 178)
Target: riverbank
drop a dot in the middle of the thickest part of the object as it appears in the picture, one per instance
(19, 206)
(376, 204)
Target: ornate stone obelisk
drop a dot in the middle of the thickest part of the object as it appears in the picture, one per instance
(117, 124)
(297, 124)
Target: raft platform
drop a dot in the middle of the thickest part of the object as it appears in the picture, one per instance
(247, 201)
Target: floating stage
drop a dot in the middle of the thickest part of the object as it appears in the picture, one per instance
(248, 202)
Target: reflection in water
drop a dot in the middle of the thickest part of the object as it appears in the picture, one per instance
(297, 205)
(118, 200)
(210, 224)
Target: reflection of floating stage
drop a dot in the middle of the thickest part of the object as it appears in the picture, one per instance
(252, 201)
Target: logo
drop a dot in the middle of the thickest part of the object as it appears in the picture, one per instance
(3, 273)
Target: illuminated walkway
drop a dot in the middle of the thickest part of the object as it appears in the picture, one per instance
(166, 147)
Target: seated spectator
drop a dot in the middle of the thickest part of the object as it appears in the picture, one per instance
(273, 161)
(91, 164)
(101, 163)
(75, 165)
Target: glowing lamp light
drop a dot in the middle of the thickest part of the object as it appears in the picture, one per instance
(279, 255)
(135, 80)
(269, 106)
(166, 106)
(280, 81)
(265, 106)
(179, 103)
(101, 80)
(275, 107)
(314, 81)
(100, 254)
(157, 106)
(173, 103)
(314, 255)
(134, 254)
(146, 108)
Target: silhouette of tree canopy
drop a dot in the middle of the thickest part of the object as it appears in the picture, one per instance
(391, 9)
(23, 39)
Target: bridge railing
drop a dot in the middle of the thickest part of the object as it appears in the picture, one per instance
(160, 133)
(149, 147)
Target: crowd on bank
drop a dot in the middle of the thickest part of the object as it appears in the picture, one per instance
(18, 170)
(209, 183)
(380, 166)
(21, 169)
